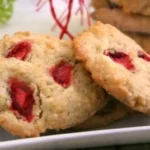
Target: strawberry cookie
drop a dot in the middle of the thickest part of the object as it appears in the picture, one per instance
(45, 89)
(74, 96)
(116, 63)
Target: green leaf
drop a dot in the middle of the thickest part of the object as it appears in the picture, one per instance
(6, 10)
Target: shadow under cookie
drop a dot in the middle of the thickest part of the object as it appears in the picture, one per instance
(112, 112)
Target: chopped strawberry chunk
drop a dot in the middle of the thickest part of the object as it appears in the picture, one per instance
(20, 50)
(22, 100)
(62, 73)
(144, 56)
(121, 58)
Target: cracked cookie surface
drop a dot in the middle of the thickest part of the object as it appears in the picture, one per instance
(117, 63)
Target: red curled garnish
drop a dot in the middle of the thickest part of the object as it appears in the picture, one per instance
(20, 50)
(62, 73)
(63, 28)
(121, 58)
(64, 19)
(22, 99)
(144, 56)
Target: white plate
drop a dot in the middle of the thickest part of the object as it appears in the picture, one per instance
(132, 129)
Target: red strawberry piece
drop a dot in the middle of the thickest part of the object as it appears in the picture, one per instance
(62, 73)
(20, 50)
(22, 99)
(121, 58)
(144, 56)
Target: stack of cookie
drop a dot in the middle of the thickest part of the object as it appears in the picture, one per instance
(130, 16)
(47, 83)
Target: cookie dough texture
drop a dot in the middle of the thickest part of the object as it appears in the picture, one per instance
(130, 87)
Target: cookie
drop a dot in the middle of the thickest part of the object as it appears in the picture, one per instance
(142, 39)
(123, 21)
(67, 94)
(135, 6)
(97, 4)
(113, 111)
(117, 64)
(100, 4)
